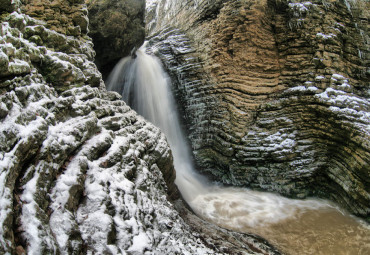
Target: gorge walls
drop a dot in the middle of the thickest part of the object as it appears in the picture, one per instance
(275, 94)
(80, 172)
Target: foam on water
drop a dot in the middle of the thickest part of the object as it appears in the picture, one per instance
(293, 225)
(247, 208)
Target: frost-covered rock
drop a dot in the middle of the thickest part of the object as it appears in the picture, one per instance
(80, 172)
(275, 94)
(61, 59)
(86, 175)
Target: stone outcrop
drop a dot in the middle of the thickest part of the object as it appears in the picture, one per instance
(116, 27)
(80, 172)
(275, 94)
(67, 17)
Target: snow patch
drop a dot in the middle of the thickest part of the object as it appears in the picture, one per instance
(140, 243)
(324, 36)
(300, 8)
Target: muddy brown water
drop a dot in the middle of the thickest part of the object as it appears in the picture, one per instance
(293, 226)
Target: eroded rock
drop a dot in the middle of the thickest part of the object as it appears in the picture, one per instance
(80, 172)
(274, 93)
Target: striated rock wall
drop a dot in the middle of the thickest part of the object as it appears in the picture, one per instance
(80, 172)
(275, 93)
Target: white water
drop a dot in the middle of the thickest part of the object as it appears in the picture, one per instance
(146, 88)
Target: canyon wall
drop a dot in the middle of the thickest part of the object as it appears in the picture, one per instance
(275, 94)
(80, 172)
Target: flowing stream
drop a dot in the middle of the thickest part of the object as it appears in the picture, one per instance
(309, 226)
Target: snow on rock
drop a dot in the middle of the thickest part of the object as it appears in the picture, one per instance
(347, 106)
(140, 243)
(300, 8)
(95, 172)
(324, 36)
(80, 172)
(234, 97)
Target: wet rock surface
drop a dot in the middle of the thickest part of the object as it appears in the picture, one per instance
(80, 172)
(222, 240)
(274, 93)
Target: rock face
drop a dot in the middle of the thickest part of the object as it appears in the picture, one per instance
(275, 93)
(80, 172)
(68, 17)
(116, 27)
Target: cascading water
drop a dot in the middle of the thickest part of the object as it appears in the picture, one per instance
(289, 224)
(145, 87)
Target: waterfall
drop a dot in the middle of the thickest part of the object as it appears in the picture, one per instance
(145, 86)
(288, 223)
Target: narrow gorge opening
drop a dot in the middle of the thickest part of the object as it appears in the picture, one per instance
(310, 226)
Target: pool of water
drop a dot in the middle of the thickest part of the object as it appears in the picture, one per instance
(294, 226)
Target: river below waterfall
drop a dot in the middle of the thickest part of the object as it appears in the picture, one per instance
(309, 226)
(293, 226)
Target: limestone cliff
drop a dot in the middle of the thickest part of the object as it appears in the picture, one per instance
(80, 172)
(275, 93)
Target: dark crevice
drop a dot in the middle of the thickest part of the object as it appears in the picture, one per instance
(211, 12)
(20, 243)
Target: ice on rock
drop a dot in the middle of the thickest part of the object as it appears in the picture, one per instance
(324, 36)
(339, 77)
(319, 78)
(300, 7)
(96, 160)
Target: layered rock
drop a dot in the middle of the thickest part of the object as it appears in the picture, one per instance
(116, 27)
(80, 172)
(275, 93)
